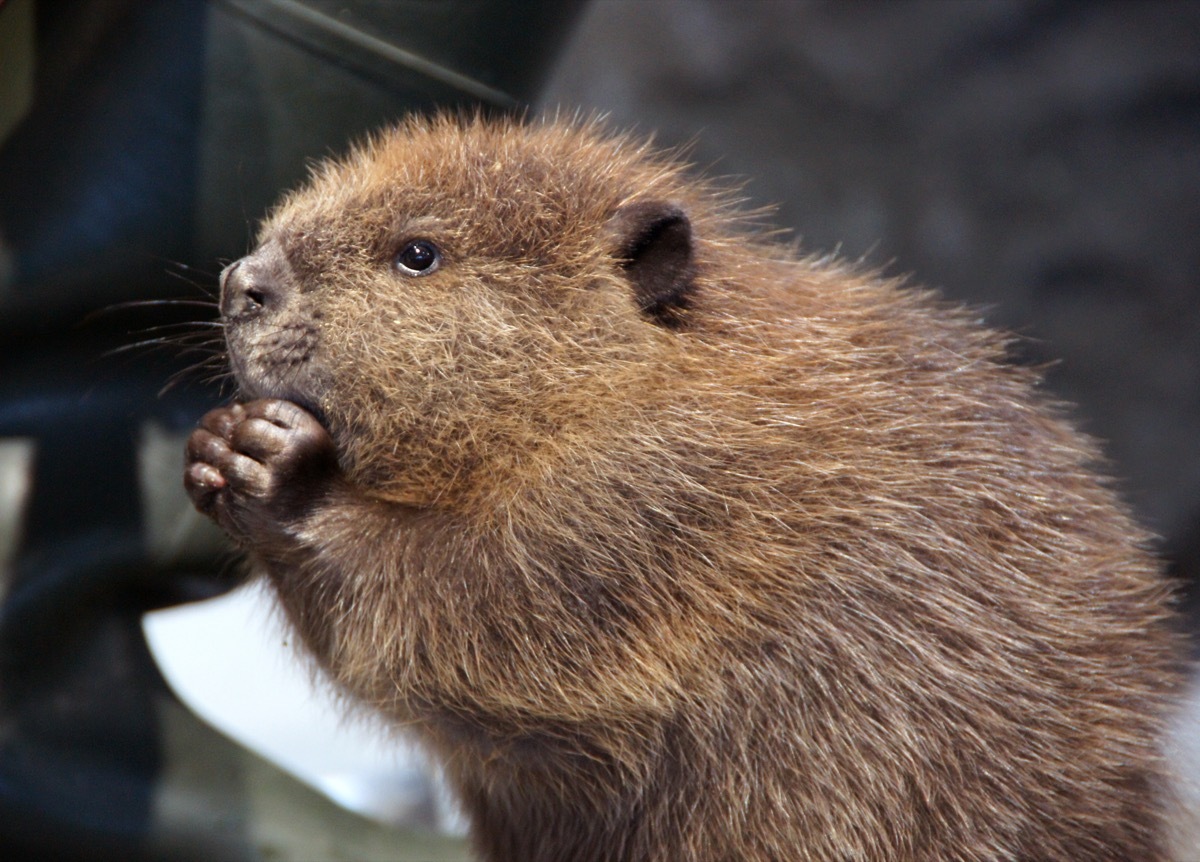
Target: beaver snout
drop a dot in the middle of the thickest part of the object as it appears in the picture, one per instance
(258, 283)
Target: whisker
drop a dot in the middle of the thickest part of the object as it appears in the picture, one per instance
(208, 289)
(147, 303)
(185, 325)
(182, 343)
(220, 375)
(195, 303)
(178, 265)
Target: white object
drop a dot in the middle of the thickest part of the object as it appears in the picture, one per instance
(231, 661)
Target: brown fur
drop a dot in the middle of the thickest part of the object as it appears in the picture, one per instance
(773, 561)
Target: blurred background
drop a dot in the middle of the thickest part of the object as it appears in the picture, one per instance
(1040, 158)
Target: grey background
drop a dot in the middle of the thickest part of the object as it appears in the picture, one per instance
(1037, 158)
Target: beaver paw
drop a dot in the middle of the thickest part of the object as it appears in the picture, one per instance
(256, 468)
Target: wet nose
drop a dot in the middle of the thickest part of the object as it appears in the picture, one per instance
(255, 284)
(239, 298)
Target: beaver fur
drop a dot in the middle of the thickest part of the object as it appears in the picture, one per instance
(669, 543)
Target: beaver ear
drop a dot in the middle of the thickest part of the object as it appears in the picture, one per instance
(653, 240)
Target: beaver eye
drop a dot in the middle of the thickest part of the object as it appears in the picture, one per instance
(419, 257)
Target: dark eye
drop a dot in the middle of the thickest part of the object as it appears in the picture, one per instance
(418, 257)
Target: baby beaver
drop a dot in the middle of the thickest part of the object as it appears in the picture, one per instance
(669, 544)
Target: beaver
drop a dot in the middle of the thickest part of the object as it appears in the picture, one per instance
(667, 541)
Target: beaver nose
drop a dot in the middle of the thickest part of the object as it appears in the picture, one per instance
(240, 297)
(255, 284)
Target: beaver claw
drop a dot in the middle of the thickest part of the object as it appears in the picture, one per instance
(256, 468)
